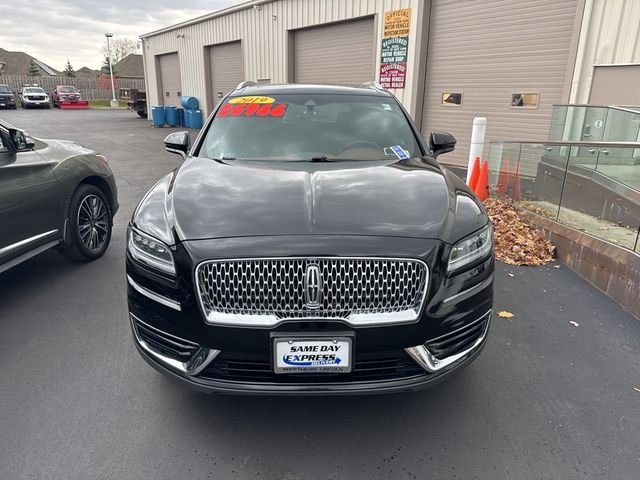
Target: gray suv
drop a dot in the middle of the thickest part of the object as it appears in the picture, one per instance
(53, 194)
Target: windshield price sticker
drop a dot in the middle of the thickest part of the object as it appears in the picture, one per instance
(252, 109)
(312, 355)
(252, 99)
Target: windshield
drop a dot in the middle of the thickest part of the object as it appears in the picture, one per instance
(300, 127)
(33, 90)
(67, 89)
(4, 89)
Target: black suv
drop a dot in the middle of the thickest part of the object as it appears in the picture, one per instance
(309, 243)
(7, 98)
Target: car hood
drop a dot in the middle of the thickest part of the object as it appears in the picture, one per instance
(211, 199)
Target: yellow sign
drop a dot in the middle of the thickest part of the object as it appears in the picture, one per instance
(252, 99)
(397, 23)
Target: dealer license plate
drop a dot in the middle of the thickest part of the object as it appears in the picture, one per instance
(311, 355)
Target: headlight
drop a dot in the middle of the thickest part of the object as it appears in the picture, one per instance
(150, 251)
(472, 248)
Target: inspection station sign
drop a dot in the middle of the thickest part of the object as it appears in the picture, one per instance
(397, 23)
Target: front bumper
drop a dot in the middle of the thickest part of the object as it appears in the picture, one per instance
(5, 103)
(421, 368)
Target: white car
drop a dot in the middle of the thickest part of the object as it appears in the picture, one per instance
(33, 96)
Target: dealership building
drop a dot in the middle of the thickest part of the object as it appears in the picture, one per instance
(447, 61)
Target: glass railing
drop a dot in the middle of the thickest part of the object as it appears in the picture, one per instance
(594, 123)
(590, 186)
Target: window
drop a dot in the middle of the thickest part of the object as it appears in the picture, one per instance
(449, 98)
(3, 149)
(525, 100)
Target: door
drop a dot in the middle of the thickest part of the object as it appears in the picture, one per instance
(30, 202)
(170, 81)
(484, 56)
(226, 70)
(339, 53)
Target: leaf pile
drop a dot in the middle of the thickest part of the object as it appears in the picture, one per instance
(517, 243)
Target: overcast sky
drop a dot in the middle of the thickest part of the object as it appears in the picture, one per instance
(54, 30)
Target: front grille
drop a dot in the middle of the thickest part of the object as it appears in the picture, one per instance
(165, 343)
(35, 98)
(458, 340)
(257, 368)
(346, 287)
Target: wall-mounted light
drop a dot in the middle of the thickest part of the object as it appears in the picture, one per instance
(179, 35)
(275, 17)
(257, 8)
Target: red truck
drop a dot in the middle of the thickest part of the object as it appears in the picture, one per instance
(68, 97)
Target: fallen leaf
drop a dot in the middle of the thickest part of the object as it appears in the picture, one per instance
(575, 324)
(556, 266)
(516, 242)
(505, 314)
(511, 274)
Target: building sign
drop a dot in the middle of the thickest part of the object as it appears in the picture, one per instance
(392, 75)
(397, 23)
(394, 50)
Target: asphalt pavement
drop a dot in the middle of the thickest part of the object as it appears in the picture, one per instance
(547, 399)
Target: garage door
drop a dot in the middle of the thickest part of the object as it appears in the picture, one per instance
(170, 83)
(226, 69)
(615, 85)
(341, 53)
(496, 59)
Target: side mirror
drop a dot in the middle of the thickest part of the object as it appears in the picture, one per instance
(441, 142)
(178, 142)
(19, 140)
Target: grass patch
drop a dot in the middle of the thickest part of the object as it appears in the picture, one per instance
(105, 104)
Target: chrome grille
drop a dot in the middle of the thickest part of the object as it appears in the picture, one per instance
(266, 291)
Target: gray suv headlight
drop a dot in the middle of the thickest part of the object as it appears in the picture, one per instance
(150, 251)
(471, 249)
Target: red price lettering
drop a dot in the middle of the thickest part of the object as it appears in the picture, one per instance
(251, 109)
(279, 110)
(224, 110)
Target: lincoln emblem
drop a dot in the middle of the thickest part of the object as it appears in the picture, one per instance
(313, 287)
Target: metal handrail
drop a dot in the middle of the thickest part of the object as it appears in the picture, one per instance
(578, 143)
(627, 108)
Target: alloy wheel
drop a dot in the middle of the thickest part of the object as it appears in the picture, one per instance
(93, 222)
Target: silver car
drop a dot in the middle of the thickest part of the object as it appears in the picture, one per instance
(33, 96)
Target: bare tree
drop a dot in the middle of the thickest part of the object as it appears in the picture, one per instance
(120, 48)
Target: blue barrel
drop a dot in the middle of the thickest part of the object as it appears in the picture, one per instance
(190, 103)
(157, 116)
(196, 119)
(180, 116)
(187, 118)
(172, 116)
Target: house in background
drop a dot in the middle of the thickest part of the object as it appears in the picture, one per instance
(130, 67)
(86, 72)
(17, 63)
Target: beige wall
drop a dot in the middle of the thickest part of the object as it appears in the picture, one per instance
(264, 35)
(610, 35)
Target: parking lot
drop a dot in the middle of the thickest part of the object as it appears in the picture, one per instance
(545, 400)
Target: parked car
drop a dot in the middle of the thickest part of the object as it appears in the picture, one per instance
(7, 98)
(34, 97)
(68, 97)
(309, 243)
(53, 194)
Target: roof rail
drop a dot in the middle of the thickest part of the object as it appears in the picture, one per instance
(246, 83)
(373, 84)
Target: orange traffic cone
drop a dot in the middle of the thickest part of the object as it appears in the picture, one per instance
(475, 174)
(482, 188)
(504, 178)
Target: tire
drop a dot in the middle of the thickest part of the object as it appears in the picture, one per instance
(89, 225)
(142, 114)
